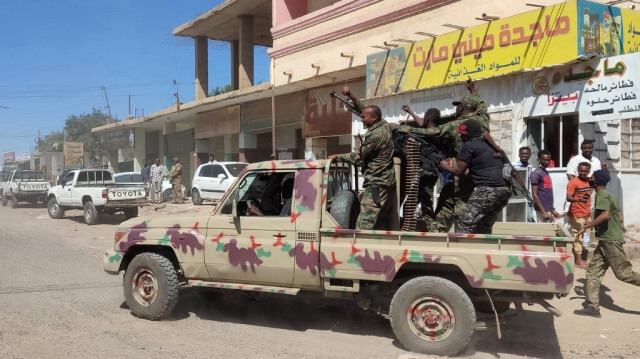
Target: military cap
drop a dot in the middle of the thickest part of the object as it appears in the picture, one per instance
(471, 101)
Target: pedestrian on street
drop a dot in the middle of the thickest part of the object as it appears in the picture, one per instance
(145, 171)
(491, 192)
(212, 158)
(156, 173)
(579, 196)
(609, 252)
(524, 153)
(586, 147)
(376, 158)
(542, 189)
(176, 180)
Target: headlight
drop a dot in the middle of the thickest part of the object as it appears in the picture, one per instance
(120, 233)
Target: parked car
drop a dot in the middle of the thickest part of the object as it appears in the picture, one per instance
(24, 185)
(136, 178)
(211, 180)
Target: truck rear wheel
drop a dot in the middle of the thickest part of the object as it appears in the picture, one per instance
(151, 286)
(130, 212)
(14, 201)
(55, 210)
(90, 213)
(432, 315)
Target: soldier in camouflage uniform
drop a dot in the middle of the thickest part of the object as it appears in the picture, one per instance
(609, 252)
(456, 193)
(176, 180)
(491, 191)
(376, 158)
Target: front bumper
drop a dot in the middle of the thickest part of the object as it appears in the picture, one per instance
(111, 261)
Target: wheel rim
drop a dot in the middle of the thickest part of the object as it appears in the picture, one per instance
(196, 196)
(167, 195)
(54, 208)
(431, 318)
(145, 286)
(88, 214)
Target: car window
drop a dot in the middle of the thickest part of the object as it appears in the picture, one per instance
(106, 176)
(235, 168)
(217, 170)
(265, 190)
(123, 179)
(82, 178)
(92, 177)
(69, 177)
(136, 178)
(206, 171)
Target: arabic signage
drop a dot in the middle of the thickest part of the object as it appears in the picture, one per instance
(115, 140)
(599, 90)
(630, 36)
(8, 157)
(73, 153)
(599, 28)
(326, 116)
(529, 40)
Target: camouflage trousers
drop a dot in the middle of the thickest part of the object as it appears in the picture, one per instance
(453, 197)
(482, 209)
(373, 216)
(425, 196)
(177, 190)
(608, 254)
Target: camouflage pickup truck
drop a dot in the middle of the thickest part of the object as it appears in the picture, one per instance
(429, 285)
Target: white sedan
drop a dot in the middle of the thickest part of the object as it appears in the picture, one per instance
(211, 180)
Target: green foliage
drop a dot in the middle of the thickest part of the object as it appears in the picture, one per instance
(77, 128)
(218, 90)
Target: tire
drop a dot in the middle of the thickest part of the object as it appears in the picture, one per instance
(432, 315)
(485, 307)
(4, 200)
(130, 212)
(151, 286)
(195, 197)
(345, 208)
(14, 201)
(55, 210)
(90, 213)
(167, 195)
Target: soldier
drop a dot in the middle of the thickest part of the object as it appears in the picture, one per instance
(376, 158)
(176, 180)
(491, 191)
(454, 195)
(609, 252)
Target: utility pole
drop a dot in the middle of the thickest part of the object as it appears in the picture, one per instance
(129, 104)
(107, 97)
(177, 95)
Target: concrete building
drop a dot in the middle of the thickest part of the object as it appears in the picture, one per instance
(391, 53)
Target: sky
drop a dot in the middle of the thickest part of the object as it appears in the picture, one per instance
(58, 57)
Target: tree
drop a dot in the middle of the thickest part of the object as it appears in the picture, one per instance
(76, 129)
(218, 90)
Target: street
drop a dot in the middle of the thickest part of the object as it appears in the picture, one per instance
(57, 302)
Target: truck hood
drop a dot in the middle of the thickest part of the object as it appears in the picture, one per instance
(168, 220)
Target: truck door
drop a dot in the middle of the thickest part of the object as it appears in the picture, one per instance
(256, 246)
(64, 198)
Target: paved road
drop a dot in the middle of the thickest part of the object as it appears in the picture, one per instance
(56, 302)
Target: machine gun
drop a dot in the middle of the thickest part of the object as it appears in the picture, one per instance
(351, 107)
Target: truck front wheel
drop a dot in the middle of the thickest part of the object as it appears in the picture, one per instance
(56, 211)
(151, 286)
(432, 315)
(90, 213)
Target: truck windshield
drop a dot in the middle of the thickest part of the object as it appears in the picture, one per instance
(29, 175)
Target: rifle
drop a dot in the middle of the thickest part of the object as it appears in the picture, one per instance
(516, 176)
(351, 107)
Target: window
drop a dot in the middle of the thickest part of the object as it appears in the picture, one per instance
(235, 168)
(558, 134)
(217, 170)
(206, 171)
(265, 190)
(630, 143)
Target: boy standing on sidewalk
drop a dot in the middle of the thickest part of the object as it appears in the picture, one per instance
(579, 196)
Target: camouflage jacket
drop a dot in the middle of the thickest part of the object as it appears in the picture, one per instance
(175, 173)
(375, 156)
(449, 130)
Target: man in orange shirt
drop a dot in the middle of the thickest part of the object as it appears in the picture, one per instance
(579, 195)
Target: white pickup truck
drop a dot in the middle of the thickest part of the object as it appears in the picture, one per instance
(24, 185)
(95, 191)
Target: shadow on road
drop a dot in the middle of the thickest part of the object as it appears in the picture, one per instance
(605, 299)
